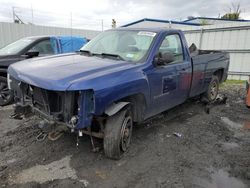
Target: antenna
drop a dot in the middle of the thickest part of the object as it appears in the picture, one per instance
(13, 14)
(71, 31)
(32, 16)
(102, 24)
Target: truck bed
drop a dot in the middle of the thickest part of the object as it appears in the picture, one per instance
(204, 64)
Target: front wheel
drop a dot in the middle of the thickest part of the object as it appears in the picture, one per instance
(213, 89)
(6, 95)
(117, 134)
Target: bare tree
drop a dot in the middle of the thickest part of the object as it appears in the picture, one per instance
(234, 12)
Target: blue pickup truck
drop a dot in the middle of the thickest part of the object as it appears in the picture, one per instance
(30, 47)
(119, 78)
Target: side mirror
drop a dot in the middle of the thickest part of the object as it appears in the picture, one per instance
(31, 54)
(164, 58)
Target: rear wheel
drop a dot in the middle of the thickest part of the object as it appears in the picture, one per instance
(213, 89)
(6, 95)
(117, 134)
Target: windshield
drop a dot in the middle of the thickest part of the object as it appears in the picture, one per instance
(127, 45)
(15, 47)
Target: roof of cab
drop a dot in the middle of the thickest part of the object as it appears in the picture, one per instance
(151, 29)
(49, 36)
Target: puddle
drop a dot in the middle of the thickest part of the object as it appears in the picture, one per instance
(42, 173)
(231, 124)
(221, 179)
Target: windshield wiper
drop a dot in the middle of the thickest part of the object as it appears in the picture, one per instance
(116, 56)
(112, 55)
(86, 52)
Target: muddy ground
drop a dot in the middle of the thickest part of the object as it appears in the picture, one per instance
(212, 152)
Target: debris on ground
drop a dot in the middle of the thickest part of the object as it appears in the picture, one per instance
(41, 136)
(101, 174)
(55, 135)
(15, 116)
(220, 99)
(177, 134)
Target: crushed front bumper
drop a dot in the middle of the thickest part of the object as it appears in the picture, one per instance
(72, 108)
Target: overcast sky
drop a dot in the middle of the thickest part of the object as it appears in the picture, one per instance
(89, 14)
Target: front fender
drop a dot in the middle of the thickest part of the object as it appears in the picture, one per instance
(107, 97)
(115, 107)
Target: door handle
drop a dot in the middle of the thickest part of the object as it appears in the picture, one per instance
(182, 69)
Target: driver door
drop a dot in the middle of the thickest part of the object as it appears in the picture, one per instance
(165, 79)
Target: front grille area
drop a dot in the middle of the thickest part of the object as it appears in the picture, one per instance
(47, 101)
(58, 104)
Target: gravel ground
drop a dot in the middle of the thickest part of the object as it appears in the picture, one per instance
(212, 151)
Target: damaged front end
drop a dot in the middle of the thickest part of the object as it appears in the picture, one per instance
(71, 108)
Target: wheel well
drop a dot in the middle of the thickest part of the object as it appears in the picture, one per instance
(138, 104)
(219, 73)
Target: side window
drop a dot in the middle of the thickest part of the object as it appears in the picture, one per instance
(43, 47)
(172, 45)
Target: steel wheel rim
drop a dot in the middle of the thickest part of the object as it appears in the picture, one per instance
(213, 90)
(4, 92)
(126, 133)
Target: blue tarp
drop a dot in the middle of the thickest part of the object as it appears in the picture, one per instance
(66, 44)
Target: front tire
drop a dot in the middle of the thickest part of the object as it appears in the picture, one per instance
(6, 95)
(211, 94)
(117, 134)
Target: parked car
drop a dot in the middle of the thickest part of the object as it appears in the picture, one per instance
(32, 47)
(120, 77)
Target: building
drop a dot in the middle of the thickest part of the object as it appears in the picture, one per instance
(148, 22)
(212, 21)
(193, 23)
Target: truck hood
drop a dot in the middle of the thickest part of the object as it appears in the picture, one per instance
(62, 72)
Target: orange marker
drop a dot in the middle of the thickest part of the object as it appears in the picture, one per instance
(248, 94)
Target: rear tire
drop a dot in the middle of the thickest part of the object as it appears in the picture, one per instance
(213, 89)
(117, 134)
(6, 95)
